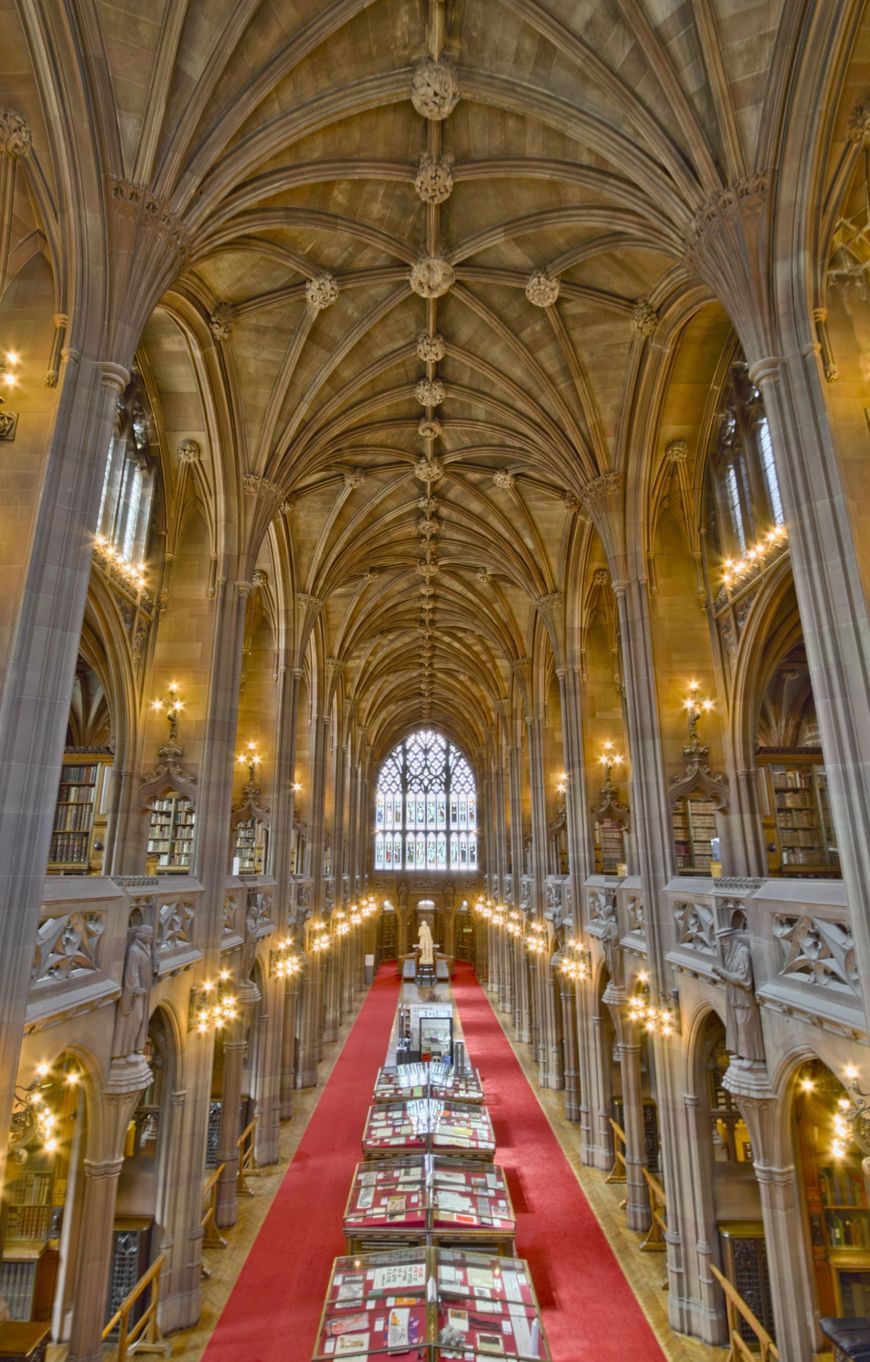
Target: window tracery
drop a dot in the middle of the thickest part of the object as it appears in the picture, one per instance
(426, 807)
(128, 484)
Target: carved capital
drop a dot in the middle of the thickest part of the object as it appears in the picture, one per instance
(262, 488)
(220, 323)
(676, 451)
(16, 137)
(188, 451)
(354, 478)
(644, 318)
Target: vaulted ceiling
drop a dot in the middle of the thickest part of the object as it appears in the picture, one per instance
(433, 255)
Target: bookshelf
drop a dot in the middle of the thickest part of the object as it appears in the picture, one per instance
(835, 1201)
(609, 846)
(799, 827)
(170, 833)
(81, 814)
(694, 824)
(251, 844)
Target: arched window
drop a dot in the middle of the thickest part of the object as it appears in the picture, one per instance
(426, 807)
(128, 484)
(743, 494)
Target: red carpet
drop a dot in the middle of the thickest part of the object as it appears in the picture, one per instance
(590, 1312)
(274, 1309)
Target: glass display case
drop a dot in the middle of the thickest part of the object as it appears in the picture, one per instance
(441, 1200)
(427, 1125)
(431, 1305)
(435, 1079)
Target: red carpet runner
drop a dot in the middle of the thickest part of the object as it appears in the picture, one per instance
(274, 1309)
(590, 1312)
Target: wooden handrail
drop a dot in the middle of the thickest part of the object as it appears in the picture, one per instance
(144, 1335)
(619, 1143)
(736, 1305)
(247, 1165)
(654, 1241)
(211, 1236)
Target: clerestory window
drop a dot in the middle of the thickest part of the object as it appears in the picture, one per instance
(426, 807)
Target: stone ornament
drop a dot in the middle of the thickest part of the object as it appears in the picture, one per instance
(431, 276)
(430, 392)
(321, 291)
(484, 576)
(644, 318)
(430, 429)
(676, 451)
(428, 504)
(131, 1021)
(434, 89)
(255, 486)
(428, 470)
(430, 349)
(859, 123)
(542, 289)
(504, 480)
(434, 180)
(743, 1034)
(220, 323)
(354, 478)
(188, 451)
(16, 137)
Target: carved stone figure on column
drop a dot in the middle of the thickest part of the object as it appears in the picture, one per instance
(248, 990)
(427, 947)
(610, 945)
(743, 1034)
(131, 1022)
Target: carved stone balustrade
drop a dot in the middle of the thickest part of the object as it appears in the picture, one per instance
(84, 925)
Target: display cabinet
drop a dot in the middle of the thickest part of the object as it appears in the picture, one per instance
(431, 1305)
(170, 833)
(81, 814)
(429, 1199)
(798, 826)
(435, 1079)
(425, 1125)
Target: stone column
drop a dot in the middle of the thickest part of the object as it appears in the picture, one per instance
(235, 1049)
(290, 1005)
(781, 1212)
(637, 1201)
(267, 1147)
(600, 1143)
(39, 644)
(308, 1026)
(521, 1004)
(99, 1195)
(569, 1041)
(213, 808)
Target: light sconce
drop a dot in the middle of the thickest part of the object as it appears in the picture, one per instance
(695, 705)
(320, 940)
(296, 787)
(34, 1122)
(285, 961)
(608, 759)
(250, 758)
(576, 963)
(851, 1120)
(536, 939)
(733, 569)
(114, 562)
(171, 705)
(562, 783)
(214, 1005)
(659, 1018)
(8, 379)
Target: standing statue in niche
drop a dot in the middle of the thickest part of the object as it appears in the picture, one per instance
(610, 945)
(131, 1021)
(427, 947)
(743, 1035)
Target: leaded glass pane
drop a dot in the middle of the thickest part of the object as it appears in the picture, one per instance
(425, 797)
(472, 852)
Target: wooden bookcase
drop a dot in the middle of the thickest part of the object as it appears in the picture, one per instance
(81, 814)
(609, 846)
(170, 833)
(252, 839)
(799, 830)
(694, 824)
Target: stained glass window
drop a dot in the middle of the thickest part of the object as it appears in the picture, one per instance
(426, 795)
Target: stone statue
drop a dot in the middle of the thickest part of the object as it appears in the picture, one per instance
(427, 948)
(249, 945)
(131, 1021)
(611, 947)
(743, 1035)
